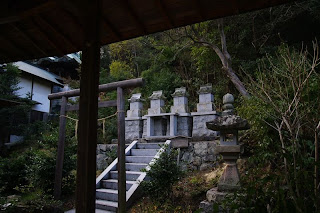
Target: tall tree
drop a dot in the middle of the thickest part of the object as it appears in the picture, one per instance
(200, 34)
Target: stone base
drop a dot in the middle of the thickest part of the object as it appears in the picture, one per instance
(206, 207)
(214, 197)
(180, 142)
(133, 130)
(230, 179)
(200, 132)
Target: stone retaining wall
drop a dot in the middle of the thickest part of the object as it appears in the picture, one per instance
(105, 155)
(198, 156)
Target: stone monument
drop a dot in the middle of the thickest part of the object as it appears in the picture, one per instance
(156, 103)
(154, 123)
(205, 112)
(180, 106)
(180, 101)
(133, 121)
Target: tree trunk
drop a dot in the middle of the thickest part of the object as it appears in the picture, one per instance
(225, 59)
(236, 82)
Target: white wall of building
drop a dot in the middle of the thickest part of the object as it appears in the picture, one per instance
(41, 90)
(25, 85)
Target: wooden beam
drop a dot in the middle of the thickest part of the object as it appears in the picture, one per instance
(45, 35)
(5, 56)
(111, 29)
(164, 12)
(102, 104)
(57, 32)
(72, 18)
(60, 154)
(133, 16)
(88, 112)
(14, 16)
(102, 88)
(28, 37)
(200, 12)
(8, 55)
(21, 51)
(121, 152)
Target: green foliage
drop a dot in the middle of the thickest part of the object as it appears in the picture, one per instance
(283, 115)
(163, 174)
(12, 173)
(33, 168)
(120, 70)
(41, 170)
(159, 81)
(35, 202)
(9, 79)
(13, 119)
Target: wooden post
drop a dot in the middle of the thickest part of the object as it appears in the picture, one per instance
(121, 153)
(316, 159)
(60, 153)
(88, 107)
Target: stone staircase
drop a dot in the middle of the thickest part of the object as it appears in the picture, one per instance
(138, 156)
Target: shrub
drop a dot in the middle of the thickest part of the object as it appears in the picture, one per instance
(12, 173)
(163, 174)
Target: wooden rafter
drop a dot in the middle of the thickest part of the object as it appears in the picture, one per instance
(134, 16)
(28, 37)
(22, 51)
(72, 18)
(13, 16)
(164, 12)
(57, 32)
(45, 36)
(106, 23)
(5, 55)
(200, 12)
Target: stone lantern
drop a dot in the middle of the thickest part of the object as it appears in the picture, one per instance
(229, 124)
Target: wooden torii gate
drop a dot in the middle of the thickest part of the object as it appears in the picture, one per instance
(91, 166)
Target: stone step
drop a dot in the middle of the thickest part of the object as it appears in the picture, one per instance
(107, 194)
(113, 184)
(103, 211)
(106, 205)
(135, 166)
(149, 145)
(130, 175)
(97, 211)
(144, 152)
(138, 159)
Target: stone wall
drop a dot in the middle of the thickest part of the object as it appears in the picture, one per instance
(106, 153)
(198, 156)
